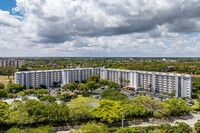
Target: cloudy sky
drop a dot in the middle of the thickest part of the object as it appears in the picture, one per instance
(100, 28)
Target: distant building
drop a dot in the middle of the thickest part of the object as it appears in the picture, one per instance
(70, 65)
(17, 63)
(170, 68)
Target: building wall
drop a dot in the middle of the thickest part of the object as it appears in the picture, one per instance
(162, 82)
(34, 79)
(6, 63)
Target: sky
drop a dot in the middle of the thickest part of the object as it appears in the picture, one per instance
(100, 28)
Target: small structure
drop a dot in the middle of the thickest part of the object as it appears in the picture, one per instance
(130, 88)
(69, 92)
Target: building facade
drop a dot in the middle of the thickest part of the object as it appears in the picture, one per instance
(36, 79)
(17, 63)
(154, 81)
(160, 82)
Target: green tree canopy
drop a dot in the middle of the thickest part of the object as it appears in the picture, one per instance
(92, 128)
(114, 85)
(177, 106)
(3, 93)
(2, 86)
(108, 111)
(94, 78)
(113, 94)
(71, 86)
(92, 85)
(80, 111)
(14, 87)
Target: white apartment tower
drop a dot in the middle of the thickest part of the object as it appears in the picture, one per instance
(162, 82)
(34, 79)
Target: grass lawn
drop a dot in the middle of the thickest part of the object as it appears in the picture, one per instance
(85, 99)
(5, 80)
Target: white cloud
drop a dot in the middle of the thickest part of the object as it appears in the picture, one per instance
(101, 28)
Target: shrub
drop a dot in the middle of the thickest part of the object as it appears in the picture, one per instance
(197, 126)
(47, 98)
(58, 92)
(15, 130)
(41, 91)
(75, 96)
(10, 95)
(3, 93)
(30, 91)
(65, 97)
(2, 86)
(21, 93)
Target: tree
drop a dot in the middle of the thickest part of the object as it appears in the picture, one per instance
(57, 112)
(127, 82)
(14, 87)
(150, 87)
(121, 81)
(3, 107)
(65, 97)
(173, 93)
(198, 100)
(55, 83)
(113, 94)
(92, 128)
(71, 86)
(177, 106)
(108, 111)
(94, 78)
(182, 128)
(15, 130)
(83, 88)
(23, 68)
(9, 71)
(37, 110)
(2, 86)
(17, 114)
(197, 126)
(80, 111)
(47, 98)
(153, 107)
(91, 85)
(3, 93)
(40, 92)
(134, 108)
(114, 85)
(103, 82)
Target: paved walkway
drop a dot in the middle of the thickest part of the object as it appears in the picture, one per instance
(190, 120)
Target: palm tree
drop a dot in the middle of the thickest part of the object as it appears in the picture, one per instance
(127, 82)
(121, 81)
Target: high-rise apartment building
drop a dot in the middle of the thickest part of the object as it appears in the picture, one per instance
(161, 82)
(6, 63)
(34, 79)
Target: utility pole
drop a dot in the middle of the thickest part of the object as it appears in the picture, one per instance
(123, 119)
